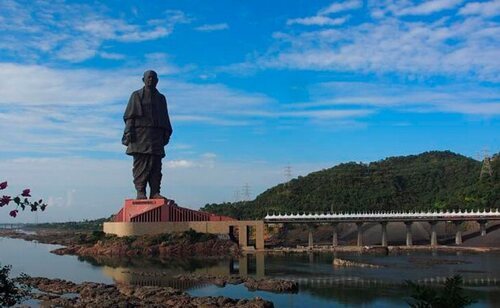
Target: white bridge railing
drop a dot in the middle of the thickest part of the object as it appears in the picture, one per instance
(492, 214)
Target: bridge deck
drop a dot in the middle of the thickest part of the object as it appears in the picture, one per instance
(385, 216)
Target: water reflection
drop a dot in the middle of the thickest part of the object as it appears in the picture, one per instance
(163, 272)
(316, 271)
(320, 283)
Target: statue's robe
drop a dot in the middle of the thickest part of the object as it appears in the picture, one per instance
(146, 119)
(147, 131)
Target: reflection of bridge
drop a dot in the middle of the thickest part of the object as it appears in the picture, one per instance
(364, 282)
(408, 218)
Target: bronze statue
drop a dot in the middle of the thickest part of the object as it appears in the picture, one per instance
(147, 132)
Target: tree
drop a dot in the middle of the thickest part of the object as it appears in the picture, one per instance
(21, 201)
(10, 293)
(437, 180)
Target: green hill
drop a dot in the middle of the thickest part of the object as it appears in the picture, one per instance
(431, 180)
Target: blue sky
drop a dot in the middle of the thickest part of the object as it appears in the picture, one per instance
(252, 87)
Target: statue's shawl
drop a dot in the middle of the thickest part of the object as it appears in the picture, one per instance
(134, 110)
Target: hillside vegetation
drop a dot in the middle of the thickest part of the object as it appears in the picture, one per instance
(431, 180)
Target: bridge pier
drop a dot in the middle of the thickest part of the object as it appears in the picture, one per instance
(458, 235)
(384, 233)
(482, 227)
(310, 242)
(409, 235)
(434, 241)
(335, 241)
(360, 233)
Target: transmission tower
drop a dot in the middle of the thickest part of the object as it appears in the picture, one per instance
(236, 195)
(486, 167)
(246, 191)
(287, 171)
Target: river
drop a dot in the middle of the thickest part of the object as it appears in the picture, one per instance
(320, 284)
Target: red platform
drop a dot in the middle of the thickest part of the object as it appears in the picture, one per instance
(162, 210)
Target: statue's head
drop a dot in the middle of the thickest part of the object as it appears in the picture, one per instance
(150, 79)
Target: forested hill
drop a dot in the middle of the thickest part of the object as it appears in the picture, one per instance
(431, 180)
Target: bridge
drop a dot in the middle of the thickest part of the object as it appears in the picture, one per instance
(12, 225)
(384, 217)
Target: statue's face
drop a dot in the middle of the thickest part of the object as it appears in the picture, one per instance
(150, 79)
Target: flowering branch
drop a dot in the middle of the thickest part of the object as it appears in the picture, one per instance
(21, 201)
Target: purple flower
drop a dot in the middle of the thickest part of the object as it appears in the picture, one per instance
(26, 193)
(5, 200)
(13, 213)
(3, 185)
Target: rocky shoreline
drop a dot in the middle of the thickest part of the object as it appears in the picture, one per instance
(338, 262)
(62, 293)
(211, 248)
(163, 245)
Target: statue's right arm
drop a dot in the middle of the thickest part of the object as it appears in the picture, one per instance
(129, 132)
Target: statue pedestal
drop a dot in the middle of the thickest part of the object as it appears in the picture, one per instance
(161, 210)
(155, 216)
(133, 210)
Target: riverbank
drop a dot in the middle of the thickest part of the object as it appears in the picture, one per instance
(94, 244)
(62, 293)
(97, 243)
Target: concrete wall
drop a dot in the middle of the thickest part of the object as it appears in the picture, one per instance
(213, 227)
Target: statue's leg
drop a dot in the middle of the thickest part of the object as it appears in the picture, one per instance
(155, 177)
(141, 172)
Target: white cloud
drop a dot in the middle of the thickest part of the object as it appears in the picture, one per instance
(209, 155)
(321, 20)
(467, 99)
(65, 112)
(111, 55)
(180, 163)
(430, 7)
(74, 32)
(47, 86)
(468, 49)
(317, 21)
(71, 111)
(486, 9)
(328, 113)
(341, 6)
(212, 27)
(419, 47)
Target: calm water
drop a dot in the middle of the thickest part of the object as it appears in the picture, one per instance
(321, 285)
